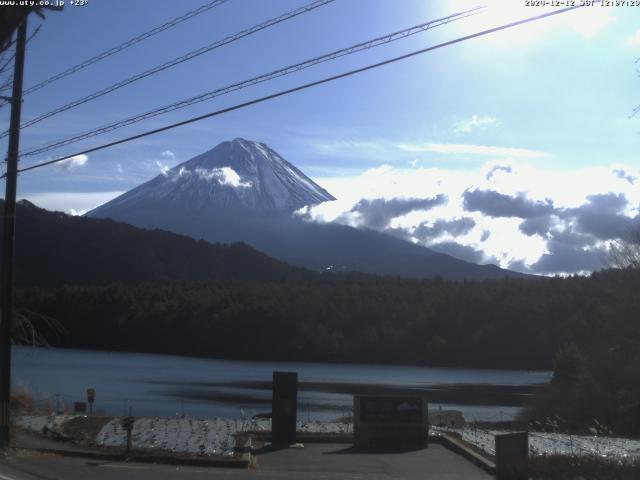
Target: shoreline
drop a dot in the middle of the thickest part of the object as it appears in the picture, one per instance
(453, 367)
(167, 385)
(455, 394)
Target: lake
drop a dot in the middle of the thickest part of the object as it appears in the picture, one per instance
(165, 385)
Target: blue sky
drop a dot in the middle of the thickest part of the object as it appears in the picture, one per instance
(536, 114)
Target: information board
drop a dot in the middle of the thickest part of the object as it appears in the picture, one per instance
(391, 409)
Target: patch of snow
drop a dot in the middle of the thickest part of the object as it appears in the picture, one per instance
(178, 435)
(216, 436)
(542, 443)
(36, 423)
(210, 437)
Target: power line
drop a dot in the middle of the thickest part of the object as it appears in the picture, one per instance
(125, 45)
(7, 63)
(176, 61)
(305, 86)
(255, 80)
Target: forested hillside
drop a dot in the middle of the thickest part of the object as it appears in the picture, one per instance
(510, 323)
(54, 249)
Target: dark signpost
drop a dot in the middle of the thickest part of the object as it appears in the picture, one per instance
(390, 421)
(284, 408)
(512, 454)
(91, 396)
(127, 425)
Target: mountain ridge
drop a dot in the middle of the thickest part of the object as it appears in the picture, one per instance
(239, 174)
(53, 248)
(253, 202)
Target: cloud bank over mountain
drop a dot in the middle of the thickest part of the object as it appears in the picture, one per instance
(512, 214)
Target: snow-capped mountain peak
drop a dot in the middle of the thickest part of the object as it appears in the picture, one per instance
(237, 174)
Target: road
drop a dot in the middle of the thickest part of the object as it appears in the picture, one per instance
(315, 462)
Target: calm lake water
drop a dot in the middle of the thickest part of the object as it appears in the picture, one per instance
(164, 385)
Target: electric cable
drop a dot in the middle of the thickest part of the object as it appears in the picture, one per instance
(255, 80)
(305, 86)
(176, 61)
(112, 51)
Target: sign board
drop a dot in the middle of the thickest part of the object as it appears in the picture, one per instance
(512, 454)
(394, 421)
(391, 409)
(80, 407)
(91, 395)
(284, 408)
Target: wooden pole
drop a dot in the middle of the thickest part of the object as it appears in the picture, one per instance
(9, 223)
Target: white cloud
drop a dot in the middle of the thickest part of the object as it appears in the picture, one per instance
(390, 151)
(225, 176)
(183, 172)
(164, 168)
(634, 40)
(73, 162)
(472, 149)
(119, 169)
(586, 21)
(231, 178)
(497, 238)
(476, 121)
(345, 146)
(168, 154)
(589, 21)
(362, 149)
(74, 203)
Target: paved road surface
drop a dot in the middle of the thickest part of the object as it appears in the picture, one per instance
(315, 462)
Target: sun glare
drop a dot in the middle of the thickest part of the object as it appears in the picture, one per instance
(586, 21)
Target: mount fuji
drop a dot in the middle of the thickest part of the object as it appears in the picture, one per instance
(234, 176)
(244, 191)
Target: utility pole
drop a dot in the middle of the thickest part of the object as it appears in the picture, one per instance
(9, 220)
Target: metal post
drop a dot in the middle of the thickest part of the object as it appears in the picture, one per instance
(128, 450)
(9, 220)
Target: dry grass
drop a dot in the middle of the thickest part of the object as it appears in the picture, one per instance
(22, 403)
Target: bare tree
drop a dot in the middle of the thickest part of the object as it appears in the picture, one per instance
(625, 252)
(25, 331)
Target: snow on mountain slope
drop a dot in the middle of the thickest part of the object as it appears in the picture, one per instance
(242, 191)
(238, 174)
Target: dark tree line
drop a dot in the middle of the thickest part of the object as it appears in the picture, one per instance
(509, 323)
(596, 376)
(54, 249)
